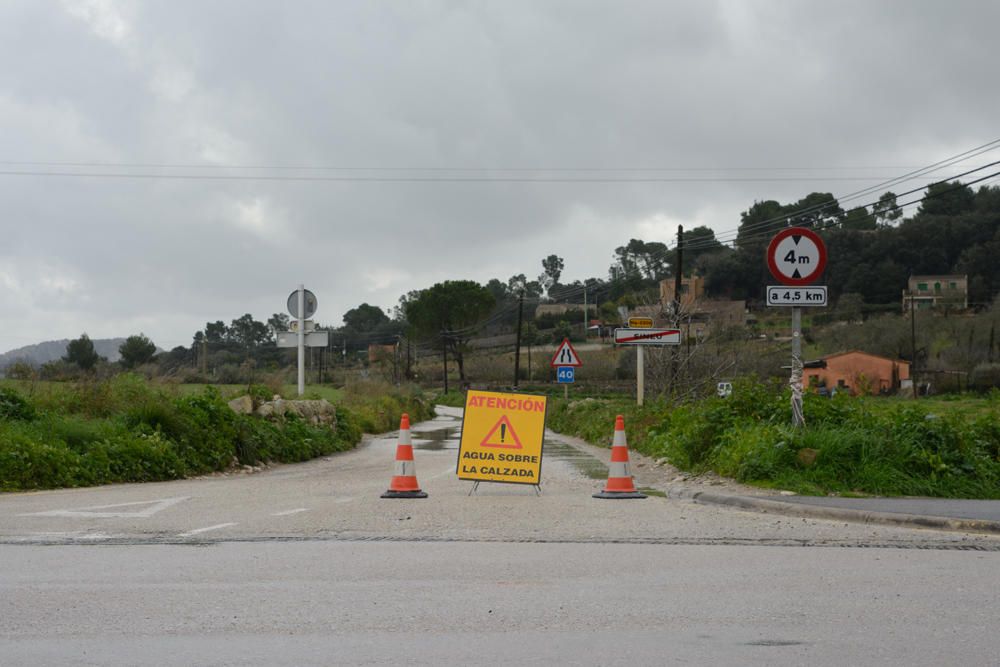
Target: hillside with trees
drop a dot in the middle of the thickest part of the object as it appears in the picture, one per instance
(872, 252)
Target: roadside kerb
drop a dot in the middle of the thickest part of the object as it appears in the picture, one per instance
(766, 505)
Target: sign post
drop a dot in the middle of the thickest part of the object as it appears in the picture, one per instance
(641, 337)
(301, 339)
(796, 257)
(301, 305)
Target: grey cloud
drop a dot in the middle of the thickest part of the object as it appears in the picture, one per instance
(432, 84)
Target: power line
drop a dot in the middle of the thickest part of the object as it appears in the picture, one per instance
(423, 179)
(820, 207)
(762, 234)
(867, 191)
(425, 168)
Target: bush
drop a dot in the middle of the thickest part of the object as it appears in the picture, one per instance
(850, 444)
(15, 406)
(125, 430)
(27, 462)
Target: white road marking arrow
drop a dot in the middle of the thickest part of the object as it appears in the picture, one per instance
(151, 508)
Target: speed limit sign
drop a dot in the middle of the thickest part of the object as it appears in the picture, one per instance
(796, 256)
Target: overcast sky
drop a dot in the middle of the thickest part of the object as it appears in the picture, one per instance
(310, 97)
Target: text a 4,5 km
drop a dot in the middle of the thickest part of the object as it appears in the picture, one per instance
(796, 296)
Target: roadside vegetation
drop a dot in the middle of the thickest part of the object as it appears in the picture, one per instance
(126, 429)
(850, 446)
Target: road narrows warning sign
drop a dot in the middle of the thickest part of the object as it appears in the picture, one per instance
(502, 438)
(566, 356)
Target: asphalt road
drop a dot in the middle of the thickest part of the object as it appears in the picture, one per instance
(459, 603)
(305, 564)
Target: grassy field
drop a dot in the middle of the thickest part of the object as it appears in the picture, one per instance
(946, 447)
(228, 391)
(126, 429)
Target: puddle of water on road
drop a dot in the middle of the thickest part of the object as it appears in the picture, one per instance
(447, 439)
(583, 462)
(441, 439)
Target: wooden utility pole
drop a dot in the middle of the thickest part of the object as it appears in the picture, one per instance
(679, 273)
(913, 347)
(678, 283)
(517, 344)
(409, 360)
(444, 358)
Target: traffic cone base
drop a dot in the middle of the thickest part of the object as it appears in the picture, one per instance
(404, 481)
(404, 494)
(620, 485)
(619, 495)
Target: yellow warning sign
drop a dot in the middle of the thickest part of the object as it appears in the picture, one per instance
(502, 438)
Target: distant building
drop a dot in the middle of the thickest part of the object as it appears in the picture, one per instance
(377, 352)
(857, 372)
(699, 312)
(557, 309)
(692, 289)
(949, 291)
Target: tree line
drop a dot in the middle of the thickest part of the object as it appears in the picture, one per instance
(871, 253)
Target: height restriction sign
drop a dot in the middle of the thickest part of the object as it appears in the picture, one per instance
(502, 438)
(796, 256)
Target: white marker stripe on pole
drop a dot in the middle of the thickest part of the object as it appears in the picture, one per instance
(198, 531)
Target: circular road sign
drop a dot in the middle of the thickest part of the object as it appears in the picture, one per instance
(796, 256)
(309, 299)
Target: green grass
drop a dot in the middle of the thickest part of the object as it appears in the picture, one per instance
(129, 430)
(947, 447)
(228, 391)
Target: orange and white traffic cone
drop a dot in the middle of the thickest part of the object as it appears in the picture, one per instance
(404, 482)
(620, 483)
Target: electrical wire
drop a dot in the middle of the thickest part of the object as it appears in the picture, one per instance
(423, 179)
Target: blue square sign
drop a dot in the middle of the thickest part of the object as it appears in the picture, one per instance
(565, 374)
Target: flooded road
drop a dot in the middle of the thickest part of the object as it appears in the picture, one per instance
(443, 434)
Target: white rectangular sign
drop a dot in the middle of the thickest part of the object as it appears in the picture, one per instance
(796, 296)
(313, 339)
(626, 336)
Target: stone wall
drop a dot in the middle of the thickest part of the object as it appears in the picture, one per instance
(315, 412)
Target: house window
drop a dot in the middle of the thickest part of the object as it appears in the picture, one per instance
(952, 285)
(841, 384)
(922, 287)
(937, 287)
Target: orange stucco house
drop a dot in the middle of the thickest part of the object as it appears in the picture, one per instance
(857, 372)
